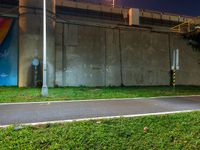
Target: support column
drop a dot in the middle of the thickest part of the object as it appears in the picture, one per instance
(31, 39)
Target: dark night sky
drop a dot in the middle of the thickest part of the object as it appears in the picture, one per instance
(185, 7)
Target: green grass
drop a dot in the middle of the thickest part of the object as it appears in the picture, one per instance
(14, 94)
(167, 132)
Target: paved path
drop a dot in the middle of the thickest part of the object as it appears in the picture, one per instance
(56, 111)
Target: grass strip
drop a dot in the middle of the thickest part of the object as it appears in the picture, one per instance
(14, 94)
(177, 131)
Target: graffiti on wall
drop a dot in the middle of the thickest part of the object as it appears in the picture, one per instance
(8, 51)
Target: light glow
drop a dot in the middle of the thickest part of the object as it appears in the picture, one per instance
(113, 4)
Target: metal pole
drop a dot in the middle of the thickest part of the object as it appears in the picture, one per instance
(44, 87)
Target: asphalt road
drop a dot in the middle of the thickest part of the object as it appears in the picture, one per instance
(56, 111)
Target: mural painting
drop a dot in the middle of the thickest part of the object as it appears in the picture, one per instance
(8, 52)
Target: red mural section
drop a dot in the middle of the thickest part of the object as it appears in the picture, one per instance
(8, 51)
(5, 25)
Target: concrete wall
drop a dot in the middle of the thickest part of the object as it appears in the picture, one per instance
(31, 39)
(189, 73)
(88, 55)
(96, 56)
(145, 58)
(92, 58)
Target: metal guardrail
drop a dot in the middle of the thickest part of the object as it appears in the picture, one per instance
(192, 25)
(185, 27)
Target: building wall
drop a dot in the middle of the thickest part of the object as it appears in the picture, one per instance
(145, 58)
(95, 55)
(31, 40)
(189, 73)
(98, 56)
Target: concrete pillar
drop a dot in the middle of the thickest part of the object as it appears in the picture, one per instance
(31, 39)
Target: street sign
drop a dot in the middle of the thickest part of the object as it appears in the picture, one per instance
(175, 60)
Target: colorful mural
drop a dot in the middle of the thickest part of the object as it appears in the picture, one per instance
(8, 52)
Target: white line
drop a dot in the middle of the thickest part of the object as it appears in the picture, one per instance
(100, 118)
(96, 100)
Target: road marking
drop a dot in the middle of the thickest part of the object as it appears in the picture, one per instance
(96, 100)
(100, 118)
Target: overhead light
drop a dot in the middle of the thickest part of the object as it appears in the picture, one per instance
(113, 3)
(197, 27)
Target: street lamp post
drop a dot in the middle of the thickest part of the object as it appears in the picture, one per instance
(44, 86)
(113, 4)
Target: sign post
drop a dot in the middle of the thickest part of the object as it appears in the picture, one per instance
(175, 66)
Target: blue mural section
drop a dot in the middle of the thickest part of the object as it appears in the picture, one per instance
(9, 56)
